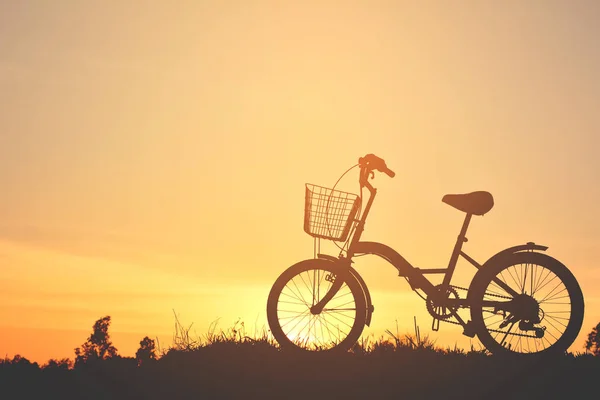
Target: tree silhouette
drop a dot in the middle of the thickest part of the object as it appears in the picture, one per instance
(63, 364)
(147, 351)
(592, 344)
(20, 363)
(98, 346)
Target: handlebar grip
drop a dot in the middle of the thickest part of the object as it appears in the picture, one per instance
(372, 162)
(389, 172)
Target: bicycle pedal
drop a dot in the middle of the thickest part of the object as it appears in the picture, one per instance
(435, 325)
(469, 329)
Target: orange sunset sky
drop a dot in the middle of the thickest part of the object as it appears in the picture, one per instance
(153, 154)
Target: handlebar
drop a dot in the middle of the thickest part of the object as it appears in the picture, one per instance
(371, 162)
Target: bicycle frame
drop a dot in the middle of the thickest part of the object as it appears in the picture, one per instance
(416, 276)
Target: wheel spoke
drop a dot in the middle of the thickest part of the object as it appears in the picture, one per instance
(293, 298)
(295, 295)
(326, 324)
(333, 316)
(557, 298)
(554, 337)
(515, 280)
(300, 292)
(524, 280)
(303, 315)
(308, 287)
(547, 314)
(342, 305)
(548, 282)
(541, 280)
(506, 334)
(552, 291)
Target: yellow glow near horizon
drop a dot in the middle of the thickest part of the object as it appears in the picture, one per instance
(154, 159)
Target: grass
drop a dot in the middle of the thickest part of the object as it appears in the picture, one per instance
(184, 341)
(232, 363)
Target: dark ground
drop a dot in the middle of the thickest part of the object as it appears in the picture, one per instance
(259, 371)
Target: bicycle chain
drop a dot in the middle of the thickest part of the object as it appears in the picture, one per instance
(489, 294)
(489, 330)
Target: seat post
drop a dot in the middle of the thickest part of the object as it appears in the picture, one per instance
(457, 248)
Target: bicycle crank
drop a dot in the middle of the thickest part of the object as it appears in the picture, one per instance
(438, 309)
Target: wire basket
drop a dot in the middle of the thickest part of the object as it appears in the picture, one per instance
(329, 213)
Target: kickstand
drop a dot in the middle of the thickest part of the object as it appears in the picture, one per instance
(435, 325)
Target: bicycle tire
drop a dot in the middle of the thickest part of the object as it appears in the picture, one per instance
(480, 289)
(291, 339)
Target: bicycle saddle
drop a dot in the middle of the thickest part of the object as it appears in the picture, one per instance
(477, 203)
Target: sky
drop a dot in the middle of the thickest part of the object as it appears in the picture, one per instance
(153, 154)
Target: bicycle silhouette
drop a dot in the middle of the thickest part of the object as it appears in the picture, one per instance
(521, 300)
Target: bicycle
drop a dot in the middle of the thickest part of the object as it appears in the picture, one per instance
(521, 300)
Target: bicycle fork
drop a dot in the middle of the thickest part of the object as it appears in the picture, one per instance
(336, 284)
(335, 287)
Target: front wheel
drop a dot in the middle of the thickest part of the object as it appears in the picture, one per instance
(291, 313)
(528, 303)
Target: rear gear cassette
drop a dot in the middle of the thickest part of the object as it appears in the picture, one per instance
(442, 312)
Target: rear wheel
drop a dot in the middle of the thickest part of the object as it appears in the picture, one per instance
(543, 310)
(337, 327)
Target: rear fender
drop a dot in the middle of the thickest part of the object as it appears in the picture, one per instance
(360, 281)
(530, 246)
(502, 255)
